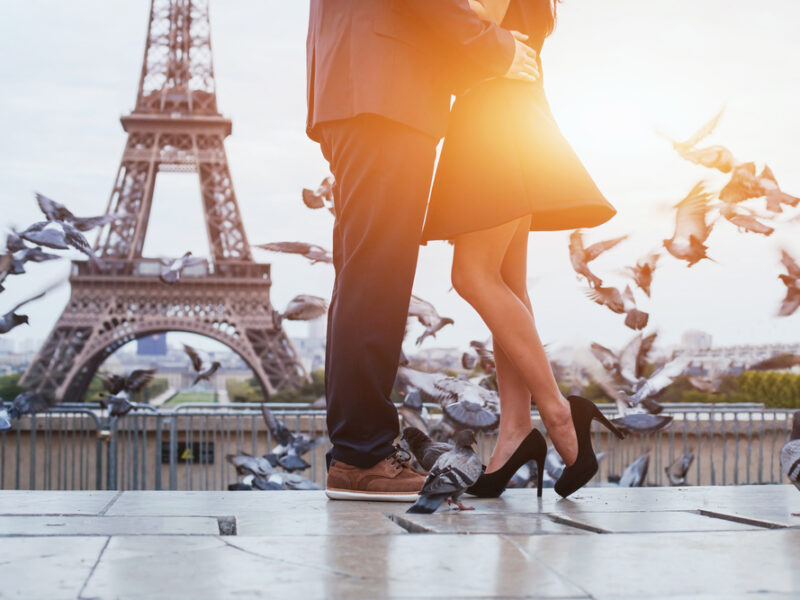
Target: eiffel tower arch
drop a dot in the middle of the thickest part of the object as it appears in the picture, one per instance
(175, 127)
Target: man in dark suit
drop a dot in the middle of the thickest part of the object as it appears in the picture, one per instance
(380, 78)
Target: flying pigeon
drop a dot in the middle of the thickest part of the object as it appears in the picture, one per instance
(698, 136)
(312, 252)
(642, 271)
(691, 229)
(676, 471)
(54, 211)
(26, 403)
(12, 319)
(450, 476)
(302, 308)
(203, 366)
(635, 474)
(428, 316)
(580, 257)
(620, 303)
(322, 197)
(60, 235)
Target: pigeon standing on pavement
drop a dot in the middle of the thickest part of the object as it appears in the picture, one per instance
(450, 476)
(424, 449)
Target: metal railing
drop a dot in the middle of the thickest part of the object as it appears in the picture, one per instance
(76, 447)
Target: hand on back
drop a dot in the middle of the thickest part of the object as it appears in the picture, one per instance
(524, 66)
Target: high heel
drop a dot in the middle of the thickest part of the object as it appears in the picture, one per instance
(579, 473)
(491, 485)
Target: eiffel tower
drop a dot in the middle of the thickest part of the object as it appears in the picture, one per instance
(175, 127)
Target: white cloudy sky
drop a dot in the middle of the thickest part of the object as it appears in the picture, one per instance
(614, 71)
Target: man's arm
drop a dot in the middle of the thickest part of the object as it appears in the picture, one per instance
(490, 10)
(495, 51)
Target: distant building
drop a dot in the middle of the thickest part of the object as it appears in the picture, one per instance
(154, 345)
(694, 339)
(6, 346)
(732, 359)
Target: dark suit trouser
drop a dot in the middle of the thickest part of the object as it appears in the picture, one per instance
(383, 173)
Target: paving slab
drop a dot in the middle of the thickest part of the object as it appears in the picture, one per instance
(47, 568)
(58, 525)
(19, 502)
(684, 564)
(314, 523)
(476, 522)
(651, 522)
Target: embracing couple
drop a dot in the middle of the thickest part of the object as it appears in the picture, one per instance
(381, 74)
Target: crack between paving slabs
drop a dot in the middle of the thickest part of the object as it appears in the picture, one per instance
(94, 567)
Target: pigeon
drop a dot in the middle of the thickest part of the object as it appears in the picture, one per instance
(478, 408)
(708, 386)
(468, 361)
(698, 136)
(790, 453)
(791, 279)
(635, 474)
(203, 366)
(27, 403)
(485, 355)
(580, 257)
(120, 388)
(247, 464)
(691, 229)
(312, 252)
(6, 264)
(291, 481)
(450, 476)
(742, 185)
(12, 319)
(55, 211)
(745, 219)
(714, 157)
(19, 254)
(642, 423)
(291, 446)
(773, 193)
(428, 316)
(642, 271)
(302, 308)
(412, 412)
(59, 235)
(118, 404)
(322, 197)
(620, 303)
(676, 471)
(470, 414)
(5, 418)
(785, 360)
(176, 266)
(133, 382)
(423, 448)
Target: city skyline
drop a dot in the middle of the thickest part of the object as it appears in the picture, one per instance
(63, 139)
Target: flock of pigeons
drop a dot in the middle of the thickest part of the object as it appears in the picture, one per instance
(279, 468)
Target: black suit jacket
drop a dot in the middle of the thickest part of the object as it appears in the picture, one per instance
(401, 59)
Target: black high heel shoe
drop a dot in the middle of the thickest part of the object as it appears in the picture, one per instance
(491, 485)
(584, 468)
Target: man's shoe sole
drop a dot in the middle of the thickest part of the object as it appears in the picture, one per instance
(335, 494)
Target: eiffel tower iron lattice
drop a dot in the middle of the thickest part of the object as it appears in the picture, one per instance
(175, 127)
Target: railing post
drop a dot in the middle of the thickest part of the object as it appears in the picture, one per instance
(173, 452)
(111, 456)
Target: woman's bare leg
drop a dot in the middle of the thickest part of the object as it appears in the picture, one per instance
(478, 276)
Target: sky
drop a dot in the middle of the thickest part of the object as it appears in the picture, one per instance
(614, 72)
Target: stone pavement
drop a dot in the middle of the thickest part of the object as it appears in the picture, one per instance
(696, 542)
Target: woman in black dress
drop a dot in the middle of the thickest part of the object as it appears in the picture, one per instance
(505, 170)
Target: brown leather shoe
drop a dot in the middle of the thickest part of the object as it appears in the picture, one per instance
(392, 479)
